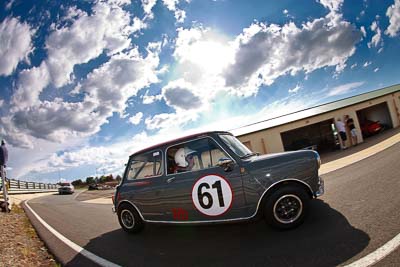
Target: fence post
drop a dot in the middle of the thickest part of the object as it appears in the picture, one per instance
(19, 185)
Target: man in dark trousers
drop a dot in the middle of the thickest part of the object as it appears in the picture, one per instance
(3, 162)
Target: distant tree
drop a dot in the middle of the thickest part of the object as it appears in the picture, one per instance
(90, 180)
(118, 178)
(77, 182)
(103, 179)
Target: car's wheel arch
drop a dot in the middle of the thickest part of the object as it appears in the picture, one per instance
(276, 186)
(127, 202)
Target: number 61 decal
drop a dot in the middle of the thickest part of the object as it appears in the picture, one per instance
(212, 195)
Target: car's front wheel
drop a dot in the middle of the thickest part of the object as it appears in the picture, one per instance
(129, 219)
(287, 207)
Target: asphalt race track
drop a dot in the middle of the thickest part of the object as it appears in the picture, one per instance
(358, 214)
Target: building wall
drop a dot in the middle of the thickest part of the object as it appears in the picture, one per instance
(270, 141)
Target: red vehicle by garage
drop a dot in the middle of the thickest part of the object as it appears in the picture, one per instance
(369, 128)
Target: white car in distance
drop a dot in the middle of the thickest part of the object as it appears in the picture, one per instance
(66, 188)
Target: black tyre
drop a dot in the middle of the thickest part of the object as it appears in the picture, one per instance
(129, 219)
(287, 207)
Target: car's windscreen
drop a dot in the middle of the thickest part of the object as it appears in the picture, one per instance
(235, 145)
(64, 184)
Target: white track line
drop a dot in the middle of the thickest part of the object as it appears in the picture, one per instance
(76, 195)
(72, 245)
(378, 254)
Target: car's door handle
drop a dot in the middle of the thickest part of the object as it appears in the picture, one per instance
(170, 179)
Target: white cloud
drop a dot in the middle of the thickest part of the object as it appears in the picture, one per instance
(148, 6)
(149, 99)
(170, 120)
(181, 95)
(106, 90)
(285, 11)
(376, 69)
(202, 55)
(363, 31)
(333, 5)
(295, 89)
(9, 4)
(367, 63)
(29, 86)
(266, 52)
(171, 4)
(377, 38)
(24, 161)
(106, 29)
(343, 89)
(13, 135)
(393, 12)
(15, 44)
(179, 14)
(136, 119)
(353, 66)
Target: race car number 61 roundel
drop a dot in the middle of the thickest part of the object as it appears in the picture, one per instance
(212, 195)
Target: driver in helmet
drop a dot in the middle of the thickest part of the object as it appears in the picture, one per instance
(184, 159)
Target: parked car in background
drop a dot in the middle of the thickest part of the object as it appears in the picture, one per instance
(369, 128)
(66, 188)
(93, 187)
(302, 144)
(212, 177)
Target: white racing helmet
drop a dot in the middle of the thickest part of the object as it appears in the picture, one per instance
(180, 156)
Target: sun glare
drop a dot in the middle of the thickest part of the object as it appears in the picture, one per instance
(212, 56)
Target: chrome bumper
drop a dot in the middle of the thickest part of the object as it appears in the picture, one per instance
(321, 188)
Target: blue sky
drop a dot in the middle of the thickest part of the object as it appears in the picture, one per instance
(84, 84)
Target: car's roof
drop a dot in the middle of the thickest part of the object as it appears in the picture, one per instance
(180, 139)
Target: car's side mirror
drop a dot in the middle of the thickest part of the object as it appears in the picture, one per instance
(226, 164)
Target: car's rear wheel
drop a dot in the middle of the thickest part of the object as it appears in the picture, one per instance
(129, 219)
(287, 207)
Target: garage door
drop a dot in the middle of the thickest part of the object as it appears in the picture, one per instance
(319, 136)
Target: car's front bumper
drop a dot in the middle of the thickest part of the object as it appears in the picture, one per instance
(321, 188)
(67, 191)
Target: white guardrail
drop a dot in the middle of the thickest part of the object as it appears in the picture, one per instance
(20, 187)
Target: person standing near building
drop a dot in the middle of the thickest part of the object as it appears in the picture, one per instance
(342, 132)
(353, 131)
(3, 162)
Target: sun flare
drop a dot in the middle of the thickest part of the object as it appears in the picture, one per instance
(211, 56)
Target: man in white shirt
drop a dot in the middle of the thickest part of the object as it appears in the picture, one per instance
(342, 132)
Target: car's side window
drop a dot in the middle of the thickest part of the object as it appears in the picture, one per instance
(145, 165)
(194, 155)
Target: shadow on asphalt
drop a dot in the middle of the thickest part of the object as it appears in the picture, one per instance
(325, 239)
